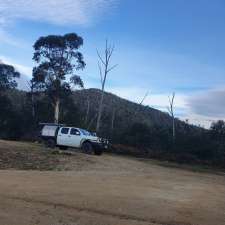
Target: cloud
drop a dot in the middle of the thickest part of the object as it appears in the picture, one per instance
(209, 104)
(60, 12)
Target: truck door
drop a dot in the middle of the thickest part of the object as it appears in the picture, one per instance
(75, 138)
(63, 137)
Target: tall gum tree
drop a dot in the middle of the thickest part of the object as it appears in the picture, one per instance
(57, 59)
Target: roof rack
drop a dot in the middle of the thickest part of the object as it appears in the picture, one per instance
(52, 124)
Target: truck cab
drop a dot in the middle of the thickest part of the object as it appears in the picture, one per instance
(74, 137)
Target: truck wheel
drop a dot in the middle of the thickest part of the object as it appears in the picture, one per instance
(50, 143)
(98, 151)
(63, 147)
(87, 148)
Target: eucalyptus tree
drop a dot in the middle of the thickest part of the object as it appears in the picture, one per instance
(57, 58)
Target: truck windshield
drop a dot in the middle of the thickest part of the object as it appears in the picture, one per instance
(85, 132)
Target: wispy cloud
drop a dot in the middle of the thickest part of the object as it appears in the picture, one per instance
(53, 11)
(7, 39)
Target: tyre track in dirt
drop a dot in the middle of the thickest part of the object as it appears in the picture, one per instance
(119, 216)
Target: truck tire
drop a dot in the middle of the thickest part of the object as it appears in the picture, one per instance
(63, 147)
(87, 148)
(50, 143)
(98, 151)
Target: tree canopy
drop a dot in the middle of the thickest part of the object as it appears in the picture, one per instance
(218, 128)
(8, 76)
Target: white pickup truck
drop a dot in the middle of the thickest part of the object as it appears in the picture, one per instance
(62, 136)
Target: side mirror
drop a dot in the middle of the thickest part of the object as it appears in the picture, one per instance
(77, 133)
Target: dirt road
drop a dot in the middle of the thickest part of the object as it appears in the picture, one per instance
(111, 190)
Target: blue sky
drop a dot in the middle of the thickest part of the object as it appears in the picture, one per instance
(161, 46)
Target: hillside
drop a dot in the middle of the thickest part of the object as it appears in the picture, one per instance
(126, 109)
(121, 112)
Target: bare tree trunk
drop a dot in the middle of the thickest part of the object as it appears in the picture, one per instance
(100, 111)
(92, 120)
(87, 112)
(57, 111)
(32, 103)
(171, 112)
(174, 135)
(31, 86)
(104, 69)
(112, 123)
(113, 119)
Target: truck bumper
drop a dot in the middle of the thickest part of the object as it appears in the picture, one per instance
(100, 146)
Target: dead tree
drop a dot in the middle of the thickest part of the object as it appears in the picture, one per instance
(31, 87)
(145, 96)
(113, 119)
(171, 112)
(113, 116)
(92, 121)
(87, 112)
(104, 69)
(140, 104)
